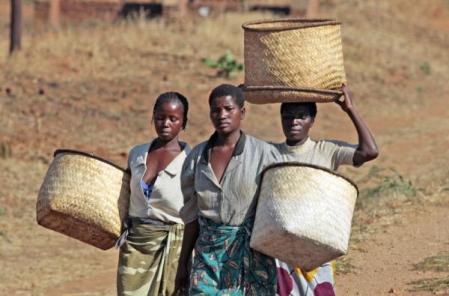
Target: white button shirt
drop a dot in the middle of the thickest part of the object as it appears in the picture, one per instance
(166, 199)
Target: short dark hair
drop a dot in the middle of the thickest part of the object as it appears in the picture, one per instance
(173, 96)
(311, 106)
(228, 90)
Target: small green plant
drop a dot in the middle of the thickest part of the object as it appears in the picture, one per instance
(419, 89)
(2, 211)
(227, 66)
(425, 68)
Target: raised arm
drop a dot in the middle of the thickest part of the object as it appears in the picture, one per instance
(367, 148)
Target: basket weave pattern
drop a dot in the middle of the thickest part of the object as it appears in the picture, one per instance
(293, 55)
(303, 215)
(84, 198)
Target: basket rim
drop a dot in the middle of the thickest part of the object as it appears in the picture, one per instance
(301, 23)
(287, 88)
(302, 164)
(90, 155)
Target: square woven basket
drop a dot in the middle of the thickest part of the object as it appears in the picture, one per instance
(293, 60)
(304, 214)
(84, 197)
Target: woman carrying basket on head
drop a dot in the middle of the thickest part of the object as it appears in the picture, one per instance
(220, 181)
(151, 242)
(297, 119)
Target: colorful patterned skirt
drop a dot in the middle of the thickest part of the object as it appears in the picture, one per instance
(224, 264)
(148, 259)
(295, 282)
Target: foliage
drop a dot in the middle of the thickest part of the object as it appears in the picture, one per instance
(227, 66)
(425, 68)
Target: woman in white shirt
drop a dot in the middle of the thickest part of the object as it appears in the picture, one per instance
(151, 242)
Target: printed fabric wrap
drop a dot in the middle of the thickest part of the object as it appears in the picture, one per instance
(148, 259)
(295, 282)
(224, 263)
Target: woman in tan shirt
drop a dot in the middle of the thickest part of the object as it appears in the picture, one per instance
(297, 119)
(151, 243)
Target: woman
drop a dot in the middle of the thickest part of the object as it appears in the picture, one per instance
(297, 119)
(151, 243)
(220, 180)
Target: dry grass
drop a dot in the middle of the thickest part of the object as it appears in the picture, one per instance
(438, 286)
(438, 263)
(344, 266)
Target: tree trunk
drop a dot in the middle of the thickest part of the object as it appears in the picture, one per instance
(16, 26)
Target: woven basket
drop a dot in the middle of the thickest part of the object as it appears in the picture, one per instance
(84, 197)
(293, 60)
(303, 214)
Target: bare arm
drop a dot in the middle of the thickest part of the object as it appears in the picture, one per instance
(191, 232)
(367, 148)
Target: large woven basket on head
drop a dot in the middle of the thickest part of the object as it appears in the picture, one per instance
(293, 60)
(303, 214)
(84, 197)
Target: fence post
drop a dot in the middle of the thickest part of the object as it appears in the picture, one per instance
(15, 26)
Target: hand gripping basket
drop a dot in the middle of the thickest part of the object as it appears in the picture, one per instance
(84, 197)
(303, 214)
(293, 60)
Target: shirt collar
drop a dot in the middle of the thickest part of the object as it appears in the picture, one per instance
(238, 150)
(175, 165)
(298, 148)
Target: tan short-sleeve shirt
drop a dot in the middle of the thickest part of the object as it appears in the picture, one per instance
(233, 199)
(325, 153)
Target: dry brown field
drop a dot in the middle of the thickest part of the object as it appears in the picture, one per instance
(91, 86)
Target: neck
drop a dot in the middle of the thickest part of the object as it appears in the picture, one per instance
(230, 139)
(296, 142)
(172, 144)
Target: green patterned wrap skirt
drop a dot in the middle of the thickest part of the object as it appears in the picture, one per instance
(224, 264)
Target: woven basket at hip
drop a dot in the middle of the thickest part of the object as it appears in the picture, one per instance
(303, 215)
(84, 197)
(293, 60)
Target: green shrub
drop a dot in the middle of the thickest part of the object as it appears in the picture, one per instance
(227, 66)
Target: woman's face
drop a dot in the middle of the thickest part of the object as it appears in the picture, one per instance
(296, 123)
(226, 115)
(168, 120)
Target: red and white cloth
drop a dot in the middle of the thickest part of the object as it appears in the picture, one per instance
(294, 282)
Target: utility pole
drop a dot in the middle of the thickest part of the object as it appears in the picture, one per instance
(16, 26)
